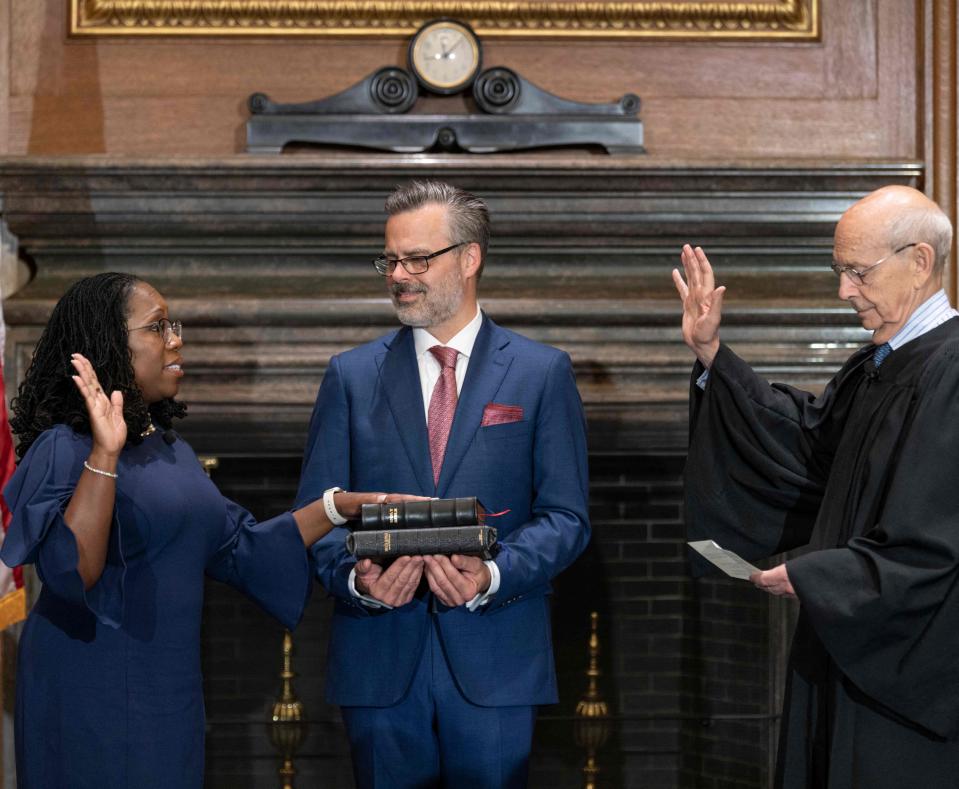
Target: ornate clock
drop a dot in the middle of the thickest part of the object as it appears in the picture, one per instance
(504, 111)
(445, 56)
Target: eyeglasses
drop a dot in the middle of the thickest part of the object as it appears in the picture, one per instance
(417, 264)
(165, 328)
(858, 275)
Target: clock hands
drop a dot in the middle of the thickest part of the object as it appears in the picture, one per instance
(447, 54)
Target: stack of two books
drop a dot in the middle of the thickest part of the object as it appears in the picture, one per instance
(411, 528)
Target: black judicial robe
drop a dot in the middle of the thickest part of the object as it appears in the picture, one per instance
(867, 476)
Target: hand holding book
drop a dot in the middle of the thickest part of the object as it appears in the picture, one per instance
(351, 504)
(393, 585)
(455, 580)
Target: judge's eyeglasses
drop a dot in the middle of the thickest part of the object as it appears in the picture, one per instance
(858, 274)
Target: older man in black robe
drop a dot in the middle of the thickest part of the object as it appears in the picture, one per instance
(866, 476)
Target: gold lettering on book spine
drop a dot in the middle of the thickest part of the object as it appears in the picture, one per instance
(387, 541)
(394, 515)
(689, 19)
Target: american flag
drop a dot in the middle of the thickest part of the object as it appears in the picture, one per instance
(13, 597)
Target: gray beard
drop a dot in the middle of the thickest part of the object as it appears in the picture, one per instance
(438, 305)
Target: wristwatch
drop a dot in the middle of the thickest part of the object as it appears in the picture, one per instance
(331, 512)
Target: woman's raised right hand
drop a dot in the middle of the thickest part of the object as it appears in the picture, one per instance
(107, 425)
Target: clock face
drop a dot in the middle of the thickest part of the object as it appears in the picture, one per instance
(445, 56)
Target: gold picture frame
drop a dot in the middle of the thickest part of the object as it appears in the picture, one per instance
(640, 19)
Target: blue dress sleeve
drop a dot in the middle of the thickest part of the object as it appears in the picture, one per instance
(37, 495)
(267, 561)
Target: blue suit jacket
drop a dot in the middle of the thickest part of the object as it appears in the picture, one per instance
(368, 432)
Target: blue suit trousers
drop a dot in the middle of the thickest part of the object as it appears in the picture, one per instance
(434, 737)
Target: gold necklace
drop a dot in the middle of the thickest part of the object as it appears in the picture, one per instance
(149, 431)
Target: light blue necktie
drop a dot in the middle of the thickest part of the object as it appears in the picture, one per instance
(881, 353)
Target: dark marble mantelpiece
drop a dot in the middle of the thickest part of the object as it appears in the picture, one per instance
(266, 262)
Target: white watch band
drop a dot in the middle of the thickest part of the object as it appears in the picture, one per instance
(335, 518)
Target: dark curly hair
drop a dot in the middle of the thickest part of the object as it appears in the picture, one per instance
(91, 319)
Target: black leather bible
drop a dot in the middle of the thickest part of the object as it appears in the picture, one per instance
(476, 540)
(433, 513)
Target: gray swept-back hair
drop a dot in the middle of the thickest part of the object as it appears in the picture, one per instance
(923, 224)
(467, 214)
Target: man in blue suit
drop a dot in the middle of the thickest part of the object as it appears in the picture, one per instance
(439, 662)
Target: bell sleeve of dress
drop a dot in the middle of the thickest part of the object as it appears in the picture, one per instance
(267, 561)
(37, 496)
(757, 465)
(886, 605)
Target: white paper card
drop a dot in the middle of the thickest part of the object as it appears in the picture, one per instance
(730, 563)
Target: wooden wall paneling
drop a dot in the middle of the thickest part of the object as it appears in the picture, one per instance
(54, 119)
(850, 61)
(941, 130)
(4, 77)
(33, 25)
(899, 66)
(701, 99)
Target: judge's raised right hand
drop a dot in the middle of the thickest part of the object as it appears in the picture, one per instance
(702, 304)
(395, 585)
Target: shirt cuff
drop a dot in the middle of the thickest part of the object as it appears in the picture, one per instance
(701, 381)
(484, 597)
(369, 602)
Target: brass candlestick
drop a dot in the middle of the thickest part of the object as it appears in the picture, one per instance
(288, 725)
(592, 726)
(592, 705)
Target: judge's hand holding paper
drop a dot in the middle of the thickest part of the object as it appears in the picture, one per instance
(772, 581)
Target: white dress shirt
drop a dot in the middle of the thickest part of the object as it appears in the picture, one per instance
(429, 370)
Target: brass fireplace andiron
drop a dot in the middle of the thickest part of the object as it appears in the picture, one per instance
(592, 713)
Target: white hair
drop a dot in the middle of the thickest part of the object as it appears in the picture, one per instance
(923, 224)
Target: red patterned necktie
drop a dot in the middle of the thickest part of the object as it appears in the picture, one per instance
(442, 406)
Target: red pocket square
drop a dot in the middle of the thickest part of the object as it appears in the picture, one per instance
(497, 414)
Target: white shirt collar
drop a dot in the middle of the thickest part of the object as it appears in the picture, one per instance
(463, 340)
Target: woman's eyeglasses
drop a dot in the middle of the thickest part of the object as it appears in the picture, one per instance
(165, 328)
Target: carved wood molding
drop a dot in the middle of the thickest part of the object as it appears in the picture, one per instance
(685, 19)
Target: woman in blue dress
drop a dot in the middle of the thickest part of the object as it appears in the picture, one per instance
(122, 523)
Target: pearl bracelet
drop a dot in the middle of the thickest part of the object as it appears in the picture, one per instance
(99, 471)
(331, 512)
